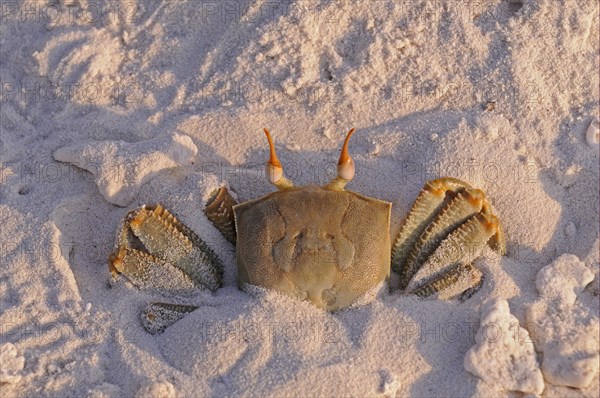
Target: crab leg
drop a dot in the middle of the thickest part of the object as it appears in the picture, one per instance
(449, 271)
(453, 283)
(165, 237)
(148, 272)
(458, 210)
(156, 317)
(155, 250)
(219, 210)
(424, 210)
(498, 241)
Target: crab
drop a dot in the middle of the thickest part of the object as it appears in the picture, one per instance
(324, 244)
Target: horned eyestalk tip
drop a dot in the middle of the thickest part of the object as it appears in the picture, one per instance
(273, 167)
(345, 167)
(273, 159)
(345, 155)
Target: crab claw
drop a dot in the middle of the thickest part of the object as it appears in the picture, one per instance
(345, 167)
(274, 170)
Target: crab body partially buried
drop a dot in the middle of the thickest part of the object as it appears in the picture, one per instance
(311, 242)
(323, 244)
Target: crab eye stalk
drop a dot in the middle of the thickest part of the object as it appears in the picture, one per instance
(273, 168)
(345, 167)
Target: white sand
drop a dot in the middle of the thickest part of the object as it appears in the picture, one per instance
(501, 93)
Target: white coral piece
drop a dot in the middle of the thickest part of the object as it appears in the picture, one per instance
(503, 355)
(565, 330)
(121, 168)
(564, 279)
(11, 364)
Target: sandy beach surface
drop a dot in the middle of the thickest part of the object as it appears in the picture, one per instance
(108, 105)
